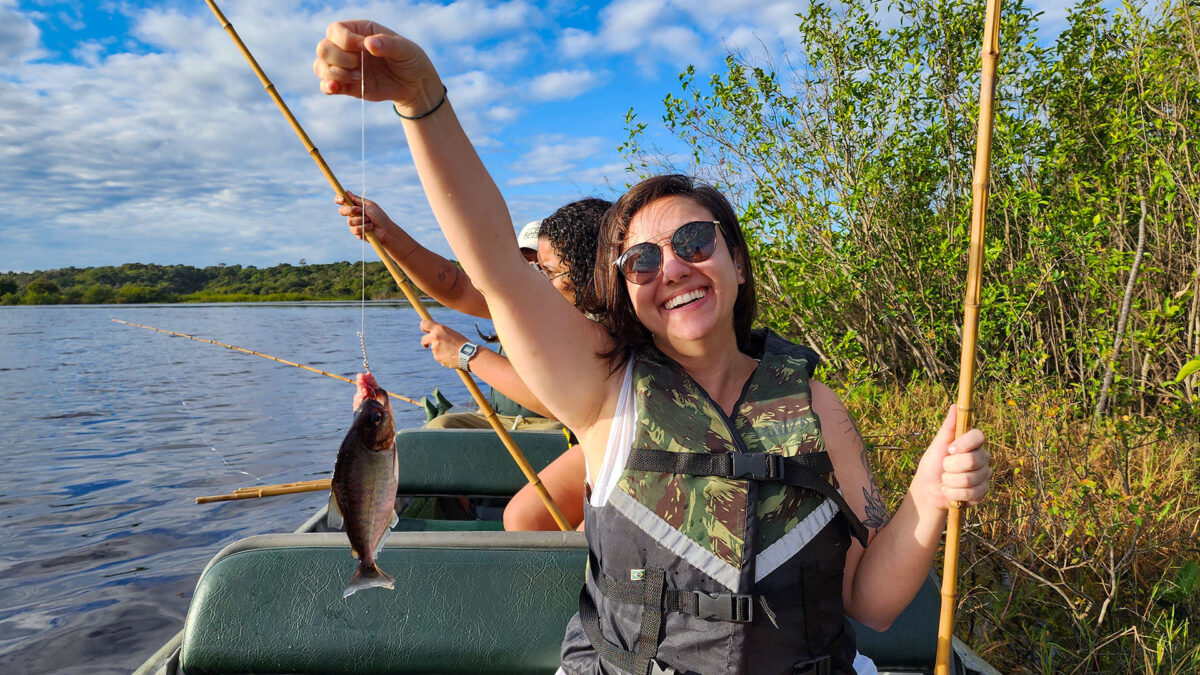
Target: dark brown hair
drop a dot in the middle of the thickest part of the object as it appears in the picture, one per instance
(619, 317)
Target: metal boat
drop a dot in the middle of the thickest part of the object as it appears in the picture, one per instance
(469, 597)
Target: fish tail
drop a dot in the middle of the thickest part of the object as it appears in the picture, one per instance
(368, 576)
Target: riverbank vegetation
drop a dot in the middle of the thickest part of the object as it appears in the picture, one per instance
(852, 162)
(138, 283)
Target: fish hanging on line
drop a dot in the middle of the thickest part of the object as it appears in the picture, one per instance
(365, 477)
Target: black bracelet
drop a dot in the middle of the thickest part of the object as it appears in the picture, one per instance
(424, 114)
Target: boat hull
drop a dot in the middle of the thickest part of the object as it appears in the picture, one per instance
(467, 599)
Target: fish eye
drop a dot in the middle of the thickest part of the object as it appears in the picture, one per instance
(376, 418)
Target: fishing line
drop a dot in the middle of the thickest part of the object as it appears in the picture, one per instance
(362, 193)
(195, 426)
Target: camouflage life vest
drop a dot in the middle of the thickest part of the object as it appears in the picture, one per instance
(722, 547)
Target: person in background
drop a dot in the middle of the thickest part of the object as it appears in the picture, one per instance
(446, 283)
(451, 349)
(567, 256)
(563, 248)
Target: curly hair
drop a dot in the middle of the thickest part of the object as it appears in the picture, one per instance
(573, 231)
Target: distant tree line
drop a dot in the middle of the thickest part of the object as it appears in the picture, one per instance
(142, 283)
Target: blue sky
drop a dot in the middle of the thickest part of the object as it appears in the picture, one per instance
(133, 131)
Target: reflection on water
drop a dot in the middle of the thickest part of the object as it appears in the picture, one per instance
(109, 432)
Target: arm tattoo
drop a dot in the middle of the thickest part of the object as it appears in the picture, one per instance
(446, 270)
(877, 514)
(876, 510)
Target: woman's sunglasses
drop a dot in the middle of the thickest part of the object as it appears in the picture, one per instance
(693, 242)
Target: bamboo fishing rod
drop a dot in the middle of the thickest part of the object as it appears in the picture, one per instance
(265, 356)
(980, 186)
(401, 280)
(269, 491)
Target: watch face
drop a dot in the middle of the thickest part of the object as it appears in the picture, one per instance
(465, 353)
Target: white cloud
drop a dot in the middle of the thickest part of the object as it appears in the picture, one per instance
(555, 158)
(683, 43)
(629, 24)
(507, 54)
(461, 21)
(18, 35)
(562, 84)
(647, 30)
(502, 113)
(475, 89)
(160, 144)
(576, 43)
(179, 155)
(625, 26)
(480, 101)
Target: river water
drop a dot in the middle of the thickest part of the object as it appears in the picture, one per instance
(109, 432)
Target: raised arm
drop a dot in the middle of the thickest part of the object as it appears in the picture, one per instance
(440, 278)
(548, 341)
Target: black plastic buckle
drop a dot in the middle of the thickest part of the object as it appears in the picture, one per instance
(756, 466)
(733, 607)
(822, 665)
(659, 668)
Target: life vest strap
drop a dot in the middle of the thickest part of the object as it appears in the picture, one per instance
(802, 471)
(641, 660)
(732, 607)
(651, 593)
(822, 665)
(758, 466)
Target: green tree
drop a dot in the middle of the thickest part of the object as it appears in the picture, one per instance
(42, 292)
(852, 170)
(98, 295)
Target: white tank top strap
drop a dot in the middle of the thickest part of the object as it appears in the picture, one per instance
(620, 441)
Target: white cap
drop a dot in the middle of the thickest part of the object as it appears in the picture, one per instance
(529, 235)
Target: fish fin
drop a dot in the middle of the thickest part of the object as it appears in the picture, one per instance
(333, 516)
(384, 535)
(368, 577)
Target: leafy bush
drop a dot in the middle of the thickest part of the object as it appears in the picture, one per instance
(851, 165)
(852, 169)
(1083, 558)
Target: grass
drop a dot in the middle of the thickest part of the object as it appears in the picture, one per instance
(1084, 557)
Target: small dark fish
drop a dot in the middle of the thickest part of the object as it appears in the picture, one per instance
(364, 482)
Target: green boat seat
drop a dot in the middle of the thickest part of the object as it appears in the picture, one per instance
(464, 602)
(470, 461)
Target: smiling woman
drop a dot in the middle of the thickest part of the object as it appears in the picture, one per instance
(712, 476)
(708, 205)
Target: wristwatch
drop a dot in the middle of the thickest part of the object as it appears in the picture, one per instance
(465, 354)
